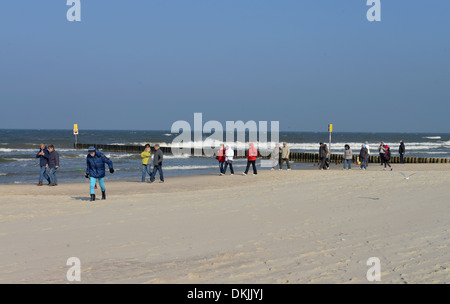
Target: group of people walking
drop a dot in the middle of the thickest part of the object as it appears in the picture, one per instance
(225, 157)
(280, 155)
(157, 164)
(49, 163)
(96, 162)
(95, 168)
(384, 152)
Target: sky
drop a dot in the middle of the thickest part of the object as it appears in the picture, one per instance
(145, 64)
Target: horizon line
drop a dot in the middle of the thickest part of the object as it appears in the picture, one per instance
(169, 131)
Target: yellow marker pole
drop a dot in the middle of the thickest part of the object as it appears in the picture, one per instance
(330, 130)
(75, 133)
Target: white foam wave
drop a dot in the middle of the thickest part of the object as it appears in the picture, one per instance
(121, 155)
(162, 144)
(183, 156)
(9, 150)
(432, 137)
(435, 152)
(21, 159)
(193, 167)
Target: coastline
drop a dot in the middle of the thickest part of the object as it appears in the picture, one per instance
(299, 226)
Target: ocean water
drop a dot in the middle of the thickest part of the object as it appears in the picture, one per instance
(19, 147)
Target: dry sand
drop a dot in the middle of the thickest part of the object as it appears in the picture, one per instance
(299, 226)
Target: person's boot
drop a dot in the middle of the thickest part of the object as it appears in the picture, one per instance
(103, 195)
(92, 197)
(40, 184)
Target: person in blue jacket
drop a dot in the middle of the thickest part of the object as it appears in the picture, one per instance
(95, 170)
(43, 162)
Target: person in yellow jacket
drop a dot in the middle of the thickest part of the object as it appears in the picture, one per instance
(146, 163)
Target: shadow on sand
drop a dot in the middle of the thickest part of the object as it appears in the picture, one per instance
(81, 198)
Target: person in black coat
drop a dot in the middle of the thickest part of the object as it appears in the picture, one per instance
(401, 151)
(323, 154)
(157, 165)
(53, 165)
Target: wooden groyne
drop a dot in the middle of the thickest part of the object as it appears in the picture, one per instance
(339, 158)
(121, 148)
(294, 156)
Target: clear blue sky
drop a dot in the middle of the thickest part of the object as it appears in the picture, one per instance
(135, 64)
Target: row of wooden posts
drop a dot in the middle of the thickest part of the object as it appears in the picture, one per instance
(294, 156)
(339, 158)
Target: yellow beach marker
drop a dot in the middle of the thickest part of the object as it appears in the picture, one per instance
(75, 133)
(330, 129)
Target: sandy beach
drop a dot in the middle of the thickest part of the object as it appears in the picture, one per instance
(299, 226)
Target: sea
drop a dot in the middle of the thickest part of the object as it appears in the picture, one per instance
(19, 165)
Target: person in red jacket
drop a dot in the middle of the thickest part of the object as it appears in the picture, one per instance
(251, 159)
(221, 158)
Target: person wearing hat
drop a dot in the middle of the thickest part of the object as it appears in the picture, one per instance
(157, 165)
(363, 157)
(95, 170)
